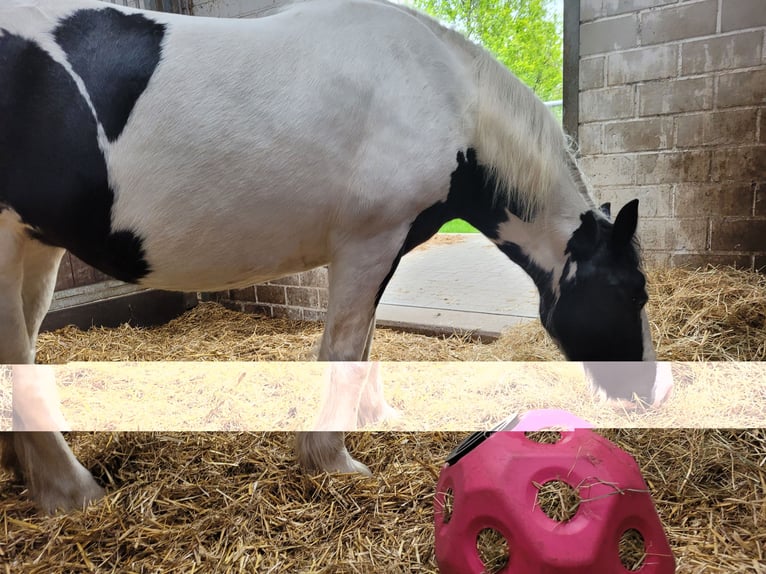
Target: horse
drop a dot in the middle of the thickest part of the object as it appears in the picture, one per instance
(200, 154)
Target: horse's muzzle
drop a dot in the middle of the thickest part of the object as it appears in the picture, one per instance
(631, 385)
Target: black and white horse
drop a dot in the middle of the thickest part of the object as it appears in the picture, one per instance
(201, 154)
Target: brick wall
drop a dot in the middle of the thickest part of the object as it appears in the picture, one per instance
(673, 111)
(302, 297)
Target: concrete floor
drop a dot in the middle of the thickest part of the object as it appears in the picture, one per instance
(458, 282)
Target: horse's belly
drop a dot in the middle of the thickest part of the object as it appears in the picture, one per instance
(232, 258)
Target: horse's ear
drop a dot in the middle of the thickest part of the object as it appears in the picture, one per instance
(589, 227)
(583, 242)
(625, 224)
(606, 209)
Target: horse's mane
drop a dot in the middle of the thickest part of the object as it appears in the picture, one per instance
(580, 181)
(517, 138)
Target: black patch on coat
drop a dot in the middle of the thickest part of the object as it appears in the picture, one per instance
(115, 54)
(52, 172)
(597, 314)
(471, 197)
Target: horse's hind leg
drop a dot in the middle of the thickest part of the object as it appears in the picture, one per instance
(54, 477)
(14, 342)
(41, 265)
(28, 271)
(15, 347)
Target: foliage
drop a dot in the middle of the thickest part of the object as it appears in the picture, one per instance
(525, 35)
(457, 226)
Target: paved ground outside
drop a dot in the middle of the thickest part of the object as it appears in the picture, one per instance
(458, 282)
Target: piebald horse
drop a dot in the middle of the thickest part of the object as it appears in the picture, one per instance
(201, 154)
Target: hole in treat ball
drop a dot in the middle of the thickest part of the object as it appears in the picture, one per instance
(632, 550)
(493, 550)
(447, 503)
(557, 500)
(544, 436)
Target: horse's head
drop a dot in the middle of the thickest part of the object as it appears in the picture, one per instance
(598, 312)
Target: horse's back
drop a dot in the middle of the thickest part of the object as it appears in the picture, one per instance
(162, 135)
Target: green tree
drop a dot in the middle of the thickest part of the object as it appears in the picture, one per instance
(525, 35)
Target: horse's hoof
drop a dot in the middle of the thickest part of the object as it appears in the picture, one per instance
(345, 464)
(325, 451)
(75, 493)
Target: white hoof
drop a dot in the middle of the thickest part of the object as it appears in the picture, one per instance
(55, 478)
(344, 463)
(326, 451)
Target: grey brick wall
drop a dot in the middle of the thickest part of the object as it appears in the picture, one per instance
(301, 297)
(673, 111)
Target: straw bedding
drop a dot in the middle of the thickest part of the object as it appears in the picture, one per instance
(287, 396)
(237, 502)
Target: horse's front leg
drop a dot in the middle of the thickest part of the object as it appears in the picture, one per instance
(346, 383)
(324, 448)
(373, 407)
(355, 283)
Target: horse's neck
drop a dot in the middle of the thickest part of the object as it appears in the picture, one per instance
(539, 245)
